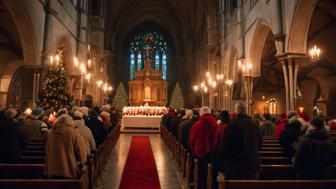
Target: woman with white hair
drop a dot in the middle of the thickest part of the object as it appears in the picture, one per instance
(84, 131)
(12, 141)
(65, 149)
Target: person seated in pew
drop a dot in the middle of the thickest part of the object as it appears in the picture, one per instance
(240, 146)
(316, 153)
(84, 131)
(65, 150)
(201, 142)
(12, 141)
(35, 128)
(289, 137)
(267, 127)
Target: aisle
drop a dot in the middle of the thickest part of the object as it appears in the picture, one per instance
(140, 169)
(164, 163)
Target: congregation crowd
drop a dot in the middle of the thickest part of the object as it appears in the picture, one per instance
(231, 141)
(70, 136)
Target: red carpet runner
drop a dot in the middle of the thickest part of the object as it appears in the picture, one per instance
(140, 169)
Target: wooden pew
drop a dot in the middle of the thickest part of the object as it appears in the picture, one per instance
(81, 183)
(270, 153)
(33, 159)
(275, 160)
(275, 184)
(33, 153)
(23, 171)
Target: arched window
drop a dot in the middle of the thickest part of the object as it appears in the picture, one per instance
(132, 65)
(155, 45)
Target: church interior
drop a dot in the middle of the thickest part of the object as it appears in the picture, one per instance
(149, 94)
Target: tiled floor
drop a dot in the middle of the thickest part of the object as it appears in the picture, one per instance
(164, 162)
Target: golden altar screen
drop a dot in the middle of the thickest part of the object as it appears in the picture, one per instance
(148, 87)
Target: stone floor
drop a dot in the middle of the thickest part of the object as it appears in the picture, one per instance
(164, 162)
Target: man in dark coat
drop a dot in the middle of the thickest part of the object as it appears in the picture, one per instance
(240, 147)
(12, 141)
(289, 137)
(97, 128)
(186, 127)
(316, 153)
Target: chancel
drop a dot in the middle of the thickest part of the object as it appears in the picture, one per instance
(148, 86)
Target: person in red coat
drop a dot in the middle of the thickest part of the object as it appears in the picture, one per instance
(280, 125)
(201, 141)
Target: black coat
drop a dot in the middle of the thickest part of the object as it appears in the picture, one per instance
(12, 141)
(186, 127)
(97, 128)
(240, 148)
(315, 155)
(288, 137)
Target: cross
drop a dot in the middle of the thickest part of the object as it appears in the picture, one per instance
(147, 48)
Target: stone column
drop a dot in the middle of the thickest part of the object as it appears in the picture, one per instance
(290, 66)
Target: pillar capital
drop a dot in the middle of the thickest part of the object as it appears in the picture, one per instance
(291, 55)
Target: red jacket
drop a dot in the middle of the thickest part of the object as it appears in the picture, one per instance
(202, 136)
(280, 127)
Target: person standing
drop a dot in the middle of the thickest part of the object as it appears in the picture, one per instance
(240, 146)
(268, 127)
(65, 150)
(316, 153)
(201, 141)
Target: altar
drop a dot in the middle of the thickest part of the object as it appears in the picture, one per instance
(141, 122)
(142, 116)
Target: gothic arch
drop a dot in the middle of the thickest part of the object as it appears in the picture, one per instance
(258, 42)
(25, 30)
(297, 39)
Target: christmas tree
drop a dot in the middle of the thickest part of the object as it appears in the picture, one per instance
(54, 92)
(176, 100)
(120, 99)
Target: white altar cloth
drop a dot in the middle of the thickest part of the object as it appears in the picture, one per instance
(141, 121)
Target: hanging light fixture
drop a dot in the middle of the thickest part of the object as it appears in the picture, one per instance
(315, 53)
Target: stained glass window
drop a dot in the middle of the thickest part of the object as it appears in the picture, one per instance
(157, 61)
(155, 45)
(132, 65)
(139, 66)
(164, 65)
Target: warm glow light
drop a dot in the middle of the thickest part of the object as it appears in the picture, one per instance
(229, 82)
(99, 83)
(207, 74)
(89, 63)
(88, 76)
(202, 84)
(28, 111)
(83, 68)
(105, 88)
(263, 97)
(75, 62)
(195, 87)
(239, 63)
(110, 88)
(249, 66)
(315, 53)
(51, 60)
(57, 59)
(301, 109)
(214, 84)
(205, 89)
